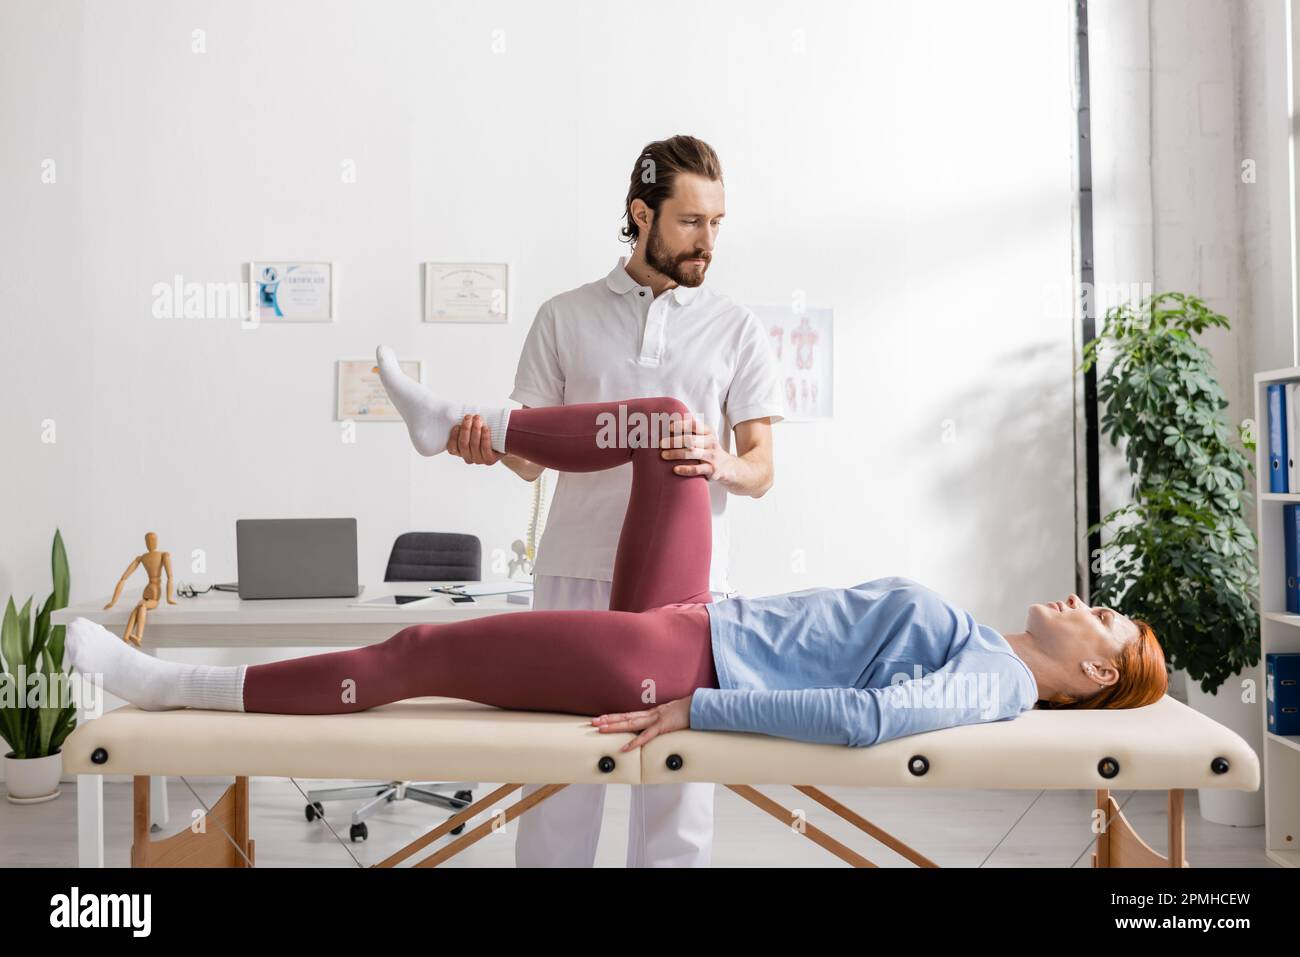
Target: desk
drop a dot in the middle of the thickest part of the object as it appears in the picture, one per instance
(222, 620)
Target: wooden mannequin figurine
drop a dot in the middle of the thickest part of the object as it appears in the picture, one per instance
(154, 562)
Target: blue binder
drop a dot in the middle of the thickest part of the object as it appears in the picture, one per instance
(1277, 460)
(1291, 543)
(1283, 692)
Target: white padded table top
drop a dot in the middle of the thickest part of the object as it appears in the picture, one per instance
(1162, 746)
(1166, 745)
(419, 739)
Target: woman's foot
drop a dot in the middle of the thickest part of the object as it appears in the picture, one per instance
(429, 420)
(92, 650)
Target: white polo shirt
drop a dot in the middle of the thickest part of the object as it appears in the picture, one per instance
(613, 339)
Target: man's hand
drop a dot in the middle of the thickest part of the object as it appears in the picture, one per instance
(472, 441)
(693, 439)
(673, 716)
(748, 472)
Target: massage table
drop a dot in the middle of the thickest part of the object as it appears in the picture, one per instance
(1166, 746)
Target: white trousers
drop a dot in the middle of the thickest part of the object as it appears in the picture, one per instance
(671, 825)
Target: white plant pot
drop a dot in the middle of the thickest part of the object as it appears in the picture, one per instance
(1219, 805)
(32, 780)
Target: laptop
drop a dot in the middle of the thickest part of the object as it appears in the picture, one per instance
(297, 557)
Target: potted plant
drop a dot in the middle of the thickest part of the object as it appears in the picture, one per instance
(34, 723)
(1181, 555)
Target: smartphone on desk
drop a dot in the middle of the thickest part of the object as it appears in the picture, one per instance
(462, 599)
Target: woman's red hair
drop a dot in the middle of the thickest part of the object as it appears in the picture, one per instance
(1143, 677)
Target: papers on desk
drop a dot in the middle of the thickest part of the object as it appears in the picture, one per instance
(392, 601)
(515, 592)
(482, 589)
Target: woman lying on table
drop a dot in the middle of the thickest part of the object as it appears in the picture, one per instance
(851, 666)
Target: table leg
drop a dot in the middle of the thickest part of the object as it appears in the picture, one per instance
(158, 802)
(90, 820)
(157, 793)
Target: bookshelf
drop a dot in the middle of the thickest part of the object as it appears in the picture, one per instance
(1278, 632)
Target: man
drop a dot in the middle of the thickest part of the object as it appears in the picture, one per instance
(649, 328)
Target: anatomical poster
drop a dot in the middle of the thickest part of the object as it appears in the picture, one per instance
(804, 345)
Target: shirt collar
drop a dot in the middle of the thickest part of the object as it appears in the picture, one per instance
(618, 279)
(621, 282)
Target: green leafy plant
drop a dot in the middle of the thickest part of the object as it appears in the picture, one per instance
(36, 732)
(1180, 555)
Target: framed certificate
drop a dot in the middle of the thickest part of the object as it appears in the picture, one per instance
(291, 291)
(465, 292)
(361, 395)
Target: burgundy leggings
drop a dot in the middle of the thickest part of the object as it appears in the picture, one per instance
(652, 646)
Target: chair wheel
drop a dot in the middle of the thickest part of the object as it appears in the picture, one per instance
(315, 810)
(359, 833)
(468, 798)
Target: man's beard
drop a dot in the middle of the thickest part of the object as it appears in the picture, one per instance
(659, 259)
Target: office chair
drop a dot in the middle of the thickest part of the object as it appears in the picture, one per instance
(416, 556)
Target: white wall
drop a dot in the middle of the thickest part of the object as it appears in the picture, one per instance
(1183, 95)
(908, 164)
(1120, 72)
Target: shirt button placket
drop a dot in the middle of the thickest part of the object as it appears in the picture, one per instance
(652, 341)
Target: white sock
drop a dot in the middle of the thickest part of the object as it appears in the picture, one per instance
(92, 650)
(429, 420)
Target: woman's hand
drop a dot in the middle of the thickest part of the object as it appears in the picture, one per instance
(673, 716)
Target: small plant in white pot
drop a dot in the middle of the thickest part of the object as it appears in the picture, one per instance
(35, 717)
